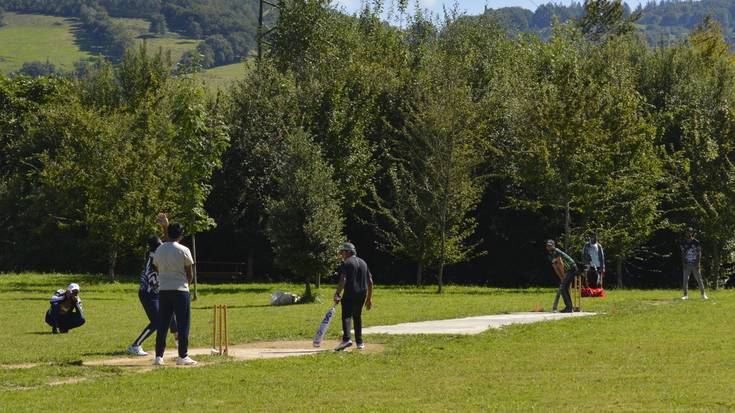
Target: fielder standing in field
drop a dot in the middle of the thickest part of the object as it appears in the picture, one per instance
(173, 262)
(594, 260)
(66, 310)
(355, 289)
(565, 268)
(691, 259)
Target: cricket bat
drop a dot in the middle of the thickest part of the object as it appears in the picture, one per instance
(322, 330)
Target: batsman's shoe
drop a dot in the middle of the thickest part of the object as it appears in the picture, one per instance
(704, 297)
(686, 297)
(136, 350)
(361, 345)
(158, 361)
(186, 361)
(343, 345)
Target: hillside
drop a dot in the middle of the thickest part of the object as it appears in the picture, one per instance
(58, 43)
(666, 21)
(25, 38)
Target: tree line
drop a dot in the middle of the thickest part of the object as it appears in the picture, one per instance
(667, 21)
(447, 150)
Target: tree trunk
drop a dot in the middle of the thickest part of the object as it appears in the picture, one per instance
(567, 226)
(111, 262)
(716, 268)
(318, 281)
(419, 273)
(619, 272)
(308, 295)
(251, 264)
(194, 295)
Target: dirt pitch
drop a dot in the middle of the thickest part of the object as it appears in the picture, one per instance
(240, 352)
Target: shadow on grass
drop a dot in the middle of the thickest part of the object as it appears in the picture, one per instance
(84, 41)
(106, 353)
(204, 290)
(209, 307)
(488, 291)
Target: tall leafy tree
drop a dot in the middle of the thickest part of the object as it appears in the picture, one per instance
(305, 220)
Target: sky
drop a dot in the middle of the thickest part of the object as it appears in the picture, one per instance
(468, 6)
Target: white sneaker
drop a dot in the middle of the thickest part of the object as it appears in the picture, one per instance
(704, 297)
(343, 345)
(186, 361)
(686, 297)
(361, 345)
(158, 361)
(136, 350)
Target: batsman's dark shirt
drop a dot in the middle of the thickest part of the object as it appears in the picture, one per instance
(357, 275)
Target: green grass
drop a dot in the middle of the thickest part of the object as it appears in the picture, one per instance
(31, 37)
(171, 41)
(655, 353)
(223, 77)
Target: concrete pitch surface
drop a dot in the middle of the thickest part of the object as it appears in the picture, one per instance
(469, 325)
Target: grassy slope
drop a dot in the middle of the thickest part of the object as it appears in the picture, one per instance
(30, 37)
(655, 353)
(222, 77)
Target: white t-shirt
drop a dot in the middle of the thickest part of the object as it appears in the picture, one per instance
(171, 260)
(595, 254)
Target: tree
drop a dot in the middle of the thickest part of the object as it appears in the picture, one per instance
(158, 24)
(606, 18)
(305, 219)
(39, 69)
(262, 113)
(703, 97)
(134, 141)
(435, 185)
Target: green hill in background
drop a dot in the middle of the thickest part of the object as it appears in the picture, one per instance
(25, 38)
(58, 41)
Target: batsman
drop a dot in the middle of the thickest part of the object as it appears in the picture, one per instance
(355, 289)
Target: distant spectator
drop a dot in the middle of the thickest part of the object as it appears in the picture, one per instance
(594, 260)
(66, 310)
(691, 258)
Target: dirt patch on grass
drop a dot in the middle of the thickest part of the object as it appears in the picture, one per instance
(240, 352)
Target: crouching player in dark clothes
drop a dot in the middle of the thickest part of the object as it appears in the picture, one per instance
(66, 310)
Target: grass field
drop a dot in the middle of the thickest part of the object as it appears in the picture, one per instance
(31, 37)
(222, 77)
(652, 353)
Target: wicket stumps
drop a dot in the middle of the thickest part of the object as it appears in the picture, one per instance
(220, 339)
(575, 291)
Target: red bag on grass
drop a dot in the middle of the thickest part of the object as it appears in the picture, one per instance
(592, 292)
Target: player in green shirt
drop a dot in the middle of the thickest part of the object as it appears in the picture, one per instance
(565, 268)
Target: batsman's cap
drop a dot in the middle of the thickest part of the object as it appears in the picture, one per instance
(349, 247)
(73, 287)
(550, 242)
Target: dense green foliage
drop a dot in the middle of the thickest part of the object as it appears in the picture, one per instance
(442, 145)
(88, 161)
